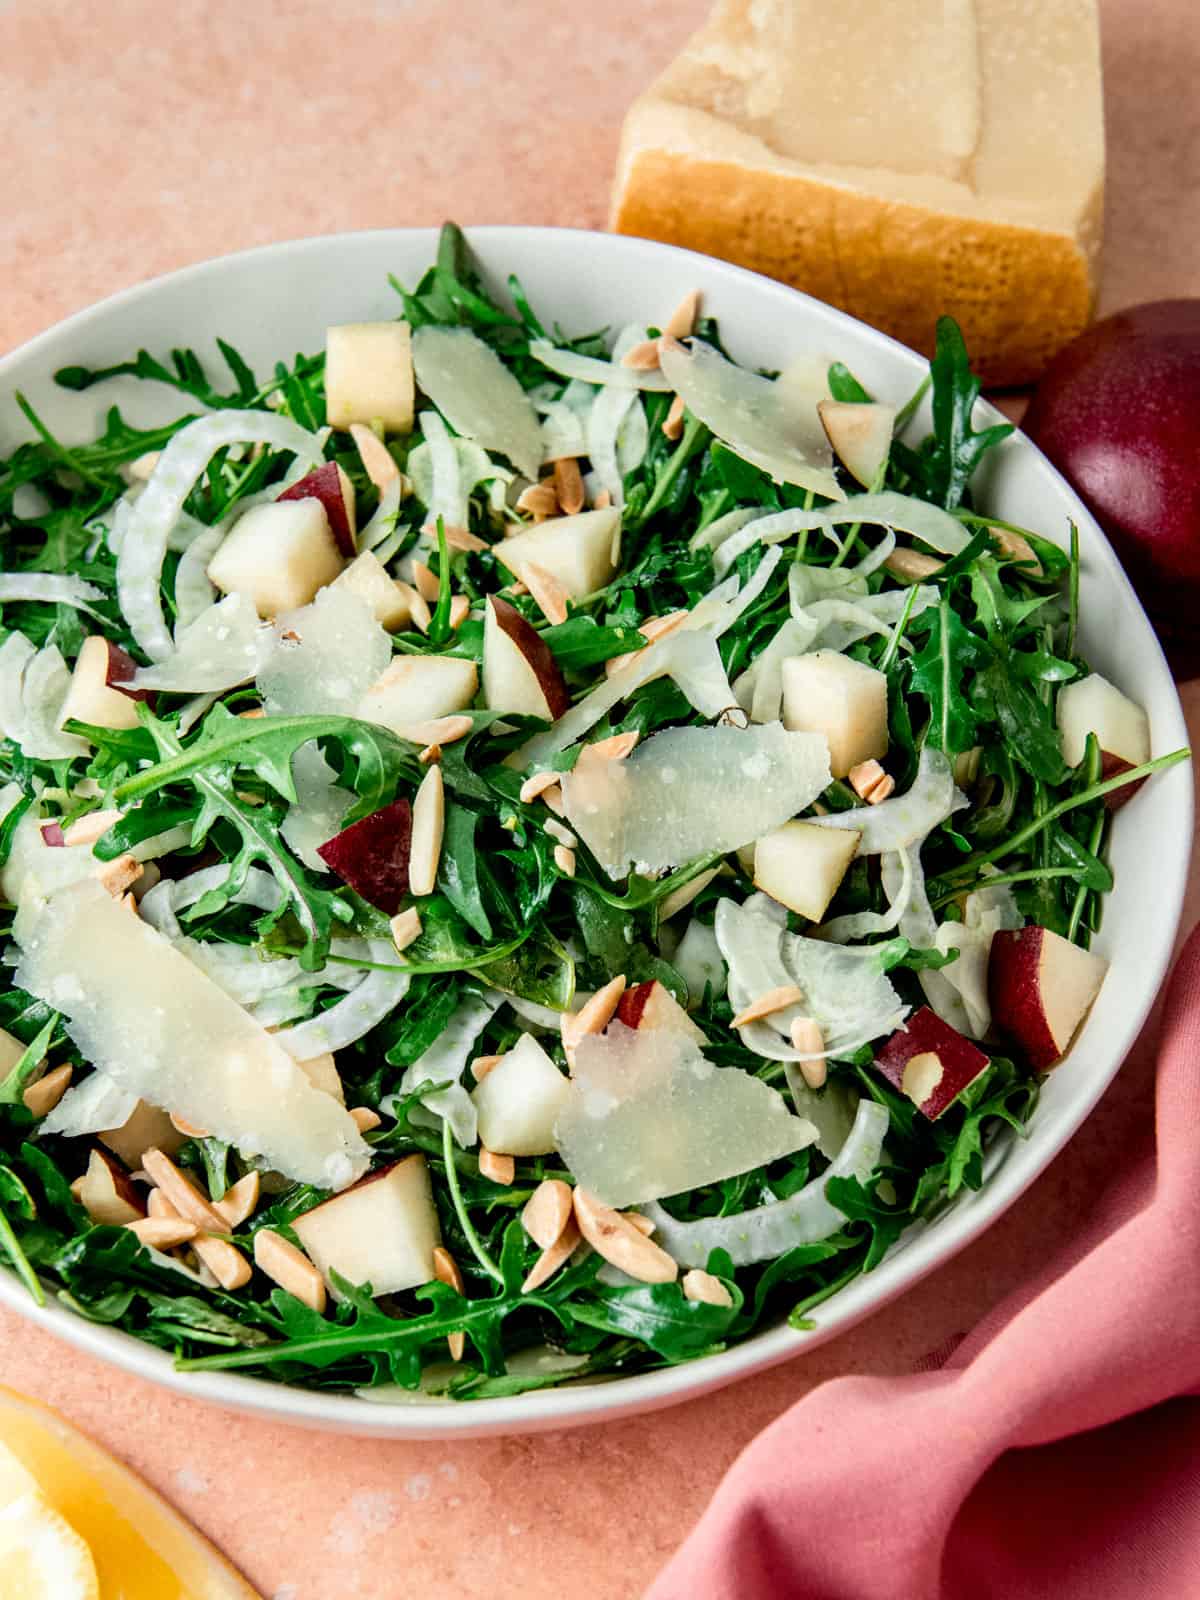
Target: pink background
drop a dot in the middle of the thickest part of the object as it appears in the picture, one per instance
(139, 137)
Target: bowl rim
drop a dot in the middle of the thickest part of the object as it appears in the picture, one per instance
(923, 1248)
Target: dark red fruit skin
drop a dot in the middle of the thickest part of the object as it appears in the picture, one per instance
(633, 1002)
(962, 1061)
(120, 671)
(1118, 413)
(324, 484)
(537, 652)
(372, 855)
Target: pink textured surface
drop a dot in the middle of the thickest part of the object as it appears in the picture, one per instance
(139, 138)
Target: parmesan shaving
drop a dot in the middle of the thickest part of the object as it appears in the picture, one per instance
(610, 374)
(217, 650)
(477, 394)
(322, 658)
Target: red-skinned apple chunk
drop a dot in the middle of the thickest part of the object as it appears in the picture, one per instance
(330, 485)
(279, 555)
(930, 1062)
(106, 1192)
(383, 1231)
(1122, 729)
(520, 674)
(1041, 987)
(98, 692)
(372, 855)
(861, 435)
(652, 1005)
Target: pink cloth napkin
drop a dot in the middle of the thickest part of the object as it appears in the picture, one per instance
(1057, 1453)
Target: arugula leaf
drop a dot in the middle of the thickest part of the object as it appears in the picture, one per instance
(458, 869)
(659, 1316)
(957, 447)
(941, 671)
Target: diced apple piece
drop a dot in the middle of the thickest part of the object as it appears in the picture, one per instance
(652, 1005)
(330, 485)
(98, 691)
(520, 674)
(828, 693)
(279, 555)
(580, 551)
(1040, 987)
(368, 578)
(369, 375)
(861, 435)
(371, 855)
(930, 1062)
(416, 689)
(107, 1194)
(801, 865)
(519, 1101)
(146, 1128)
(383, 1231)
(321, 1071)
(1122, 729)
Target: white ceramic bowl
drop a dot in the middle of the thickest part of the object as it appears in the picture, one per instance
(276, 301)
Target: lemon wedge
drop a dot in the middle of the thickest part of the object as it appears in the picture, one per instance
(41, 1555)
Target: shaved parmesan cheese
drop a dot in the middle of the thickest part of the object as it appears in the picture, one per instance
(588, 369)
(670, 801)
(324, 657)
(477, 394)
(163, 1031)
(60, 588)
(754, 416)
(215, 652)
(93, 1106)
(319, 809)
(905, 819)
(648, 1115)
(933, 526)
(444, 1063)
(773, 1229)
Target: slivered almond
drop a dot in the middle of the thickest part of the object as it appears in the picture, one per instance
(482, 1065)
(564, 860)
(653, 628)
(673, 421)
(620, 1242)
(1014, 545)
(553, 1257)
(460, 610)
(516, 587)
(863, 778)
(463, 539)
(225, 1261)
(163, 1233)
(181, 1192)
(364, 1119)
(42, 1097)
(703, 1286)
(806, 1035)
(128, 903)
(643, 357)
(556, 830)
(253, 714)
(428, 826)
(882, 790)
(672, 904)
(418, 609)
(912, 564)
(681, 324)
(547, 1212)
(431, 753)
(553, 798)
(240, 1200)
(547, 591)
(643, 1224)
(77, 1188)
(189, 1130)
(406, 927)
(438, 730)
(603, 500)
(568, 485)
(500, 1169)
(615, 748)
(539, 500)
(536, 785)
(593, 1016)
(374, 455)
(120, 874)
(157, 1205)
(86, 830)
(277, 1258)
(425, 582)
(446, 1270)
(773, 1000)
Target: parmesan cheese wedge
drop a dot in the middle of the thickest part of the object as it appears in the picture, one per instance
(159, 1028)
(802, 139)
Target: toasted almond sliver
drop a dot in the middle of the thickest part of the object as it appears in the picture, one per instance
(253, 714)
(681, 324)
(912, 564)
(278, 1259)
(430, 754)
(182, 1192)
(603, 500)
(500, 1169)
(460, 610)
(42, 1097)
(594, 1016)
(374, 455)
(643, 1224)
(673, 421)
(189, 1130)
(141, 468)
(537, 785)
(643, 357)
(652, 629)
(426, 582)
(364, 1119)
(672, 904)
(553, 1257)
(547, 591)
(806, 1036)
(77, 1188)
(773, 1000)
(239, 1202)
(446, 1269)
(568, 485)
(547, 1212)
(705, 1287)
(428, 826)
(482, 1065)
(418, 609)
(882, 790)
(620, 1242)
(615, 748)
(462, 539)
(406, 927)
(556, 830)
(539, 500)
(119, 875)
(863, 778)
(564, 860)
(553, 798)
(225, 1261)
(438, 730)
(157, 1205)
(86, 830)
(163, 1233)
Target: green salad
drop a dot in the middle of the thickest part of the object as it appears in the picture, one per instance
(528, 854)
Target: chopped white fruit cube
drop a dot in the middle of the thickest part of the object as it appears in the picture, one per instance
(383, 1231)
(368, 578)
(91, 696)
(580, 551)
(278, 554)
(801, 865)
(830, 694)
(648, 1115)
(519, 1100)
(1122, 728)
(369, 375)
(418, 688)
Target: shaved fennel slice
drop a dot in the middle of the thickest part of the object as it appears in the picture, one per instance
(590, 370)
(770, 1231)
(383, 521)
(905, 819)
(715, 535)
(928, 523)
(603, 426)
(861, 924)
(15, 655)
(633, 439)
(44, 687)
(985, 913)
(477, 394)
(216, 651)
(194, 594)
(446, 496)
(444, 1063)
(670, 801)
(93, 1106)
(144, 544)
(830, 1109)
(60, 588)
(752, 415)
(318, 810)
(364, 1008)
